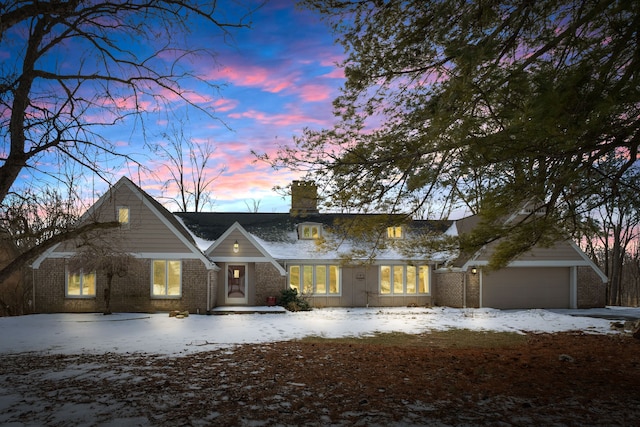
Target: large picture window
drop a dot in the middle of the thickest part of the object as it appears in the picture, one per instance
(81, 284)
(166, 278)
(315, 279)
(404, 279)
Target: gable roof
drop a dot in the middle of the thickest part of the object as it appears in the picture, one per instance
(152, 203)
(172, 223)
(467, 260)
(276, 233)
(237, 227)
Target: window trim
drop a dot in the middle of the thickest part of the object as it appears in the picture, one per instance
(81, 275)
(314, 281)
(417, 274)
(309, 226)
(123, 224)
(166, 273)
(395, 232)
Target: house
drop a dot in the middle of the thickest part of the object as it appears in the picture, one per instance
(200, 261)
(559, 276)
(12, 288)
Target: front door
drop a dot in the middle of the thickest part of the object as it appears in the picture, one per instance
(236, 286)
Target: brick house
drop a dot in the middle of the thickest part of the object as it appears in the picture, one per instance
(200, 261)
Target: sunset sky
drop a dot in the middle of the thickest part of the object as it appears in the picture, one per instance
(275, 79)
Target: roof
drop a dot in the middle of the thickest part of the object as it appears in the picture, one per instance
(170, 221)
(160, 209)
(273, 227)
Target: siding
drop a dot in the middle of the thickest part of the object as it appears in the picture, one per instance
(561, 251)
(360, 288)
(146, 232)
(246, 248)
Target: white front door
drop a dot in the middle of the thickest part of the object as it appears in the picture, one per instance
(236, 284)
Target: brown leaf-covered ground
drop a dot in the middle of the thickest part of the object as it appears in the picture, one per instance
(547, 379)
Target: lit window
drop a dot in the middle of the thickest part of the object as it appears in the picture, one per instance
(310, 231)
(81, 284)
(394, 232)
(404, 279)
(123, 216)
(315, 279)
(294, 277)
(167, 278)
(423, 279)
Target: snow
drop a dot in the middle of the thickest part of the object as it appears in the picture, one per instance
(128, 333)
(201, 244)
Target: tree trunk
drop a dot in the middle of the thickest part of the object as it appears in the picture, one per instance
(107, 295)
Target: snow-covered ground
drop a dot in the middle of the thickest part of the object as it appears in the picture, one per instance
(127, 333)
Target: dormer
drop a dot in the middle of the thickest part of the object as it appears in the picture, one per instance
(309, 231)
(395, 232)
(532, 208)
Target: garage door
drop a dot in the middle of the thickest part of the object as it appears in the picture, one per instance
(527, 288)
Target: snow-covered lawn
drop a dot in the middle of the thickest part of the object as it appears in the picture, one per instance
(158, 333)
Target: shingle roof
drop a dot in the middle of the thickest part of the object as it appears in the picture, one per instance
(274, 227)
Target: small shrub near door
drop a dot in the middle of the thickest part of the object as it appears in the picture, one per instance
(290, 300)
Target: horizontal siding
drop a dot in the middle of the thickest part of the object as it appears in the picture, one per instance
(246, 248)
(561, 251)
(146, 232)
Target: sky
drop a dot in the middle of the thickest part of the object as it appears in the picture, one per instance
(275, 79)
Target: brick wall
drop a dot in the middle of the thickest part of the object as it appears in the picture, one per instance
(448, 288)
(473, 290)
(269, 282)
(130, 293)
(591, 290)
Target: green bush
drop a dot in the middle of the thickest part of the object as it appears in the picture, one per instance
(290, 300)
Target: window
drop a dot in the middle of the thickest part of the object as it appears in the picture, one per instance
(123, 216)
(167, 278)
(394, 232)
(310, 231)
(81, 284)
(404, 279)
(315, 279)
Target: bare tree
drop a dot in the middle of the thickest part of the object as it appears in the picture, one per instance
(612, 226)
(104, 260)
(188, 163)
(253, 206)
(129, 57)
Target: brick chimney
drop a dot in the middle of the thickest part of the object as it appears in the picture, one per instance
(304, 198)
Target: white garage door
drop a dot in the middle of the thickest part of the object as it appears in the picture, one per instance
(527, 287)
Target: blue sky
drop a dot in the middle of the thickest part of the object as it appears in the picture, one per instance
(274, 79)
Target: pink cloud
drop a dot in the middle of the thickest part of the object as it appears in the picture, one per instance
(314, 93)
(253, 76)
(223, 105)
(276, 119)
(336, 73)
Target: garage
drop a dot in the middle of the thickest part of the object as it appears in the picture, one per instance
(527, 287)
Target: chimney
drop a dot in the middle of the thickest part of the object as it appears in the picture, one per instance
(304, 198)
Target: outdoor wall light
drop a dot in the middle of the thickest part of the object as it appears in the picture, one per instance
(474, 270)
(236, 247)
